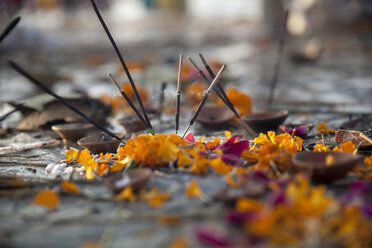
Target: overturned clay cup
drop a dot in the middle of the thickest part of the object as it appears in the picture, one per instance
(132, 124)
(215, 116)
(101, 143)
(316, 165)
(72, 131)
(265, 121)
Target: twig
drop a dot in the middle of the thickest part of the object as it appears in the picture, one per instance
(121, 61)
(203, 101)
(60, 99)
(178, 99)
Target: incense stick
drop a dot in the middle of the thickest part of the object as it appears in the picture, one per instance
(129, 101)
(223, 93)
(121, 61)
(9, 28)
(274, 79)
(60, 99)
(178, 101)
(205, 98)
(227, 101)
(216, 90)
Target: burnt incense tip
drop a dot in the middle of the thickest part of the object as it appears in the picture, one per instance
(203, 59)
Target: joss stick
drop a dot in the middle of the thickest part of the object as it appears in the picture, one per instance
(178, 99)
(274, 79)
(60, 99)
(129, 101)
(204, 100)
(219, 86)
(121, 61)
(9, 28)
(206, 79)
(227, 101)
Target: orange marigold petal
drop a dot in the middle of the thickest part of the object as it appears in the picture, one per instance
(193, 190)
(368, 161)
(178, 243)
(320, 148)
(348, 147)
(126, 194)
(71, 154)
(69, 187)
(246, 204)
(47, 199)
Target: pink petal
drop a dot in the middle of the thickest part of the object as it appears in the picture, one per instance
(190, 138)
(209, 238)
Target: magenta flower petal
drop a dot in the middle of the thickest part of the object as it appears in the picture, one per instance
(230, 147)
(190, 138)
(367, 208)
(361, 187)
(260, 176)
(277, 198)
(235, 217)
(231, 158)
(209, 238)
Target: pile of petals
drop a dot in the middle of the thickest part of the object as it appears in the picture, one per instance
(271, 152)
(170, 150)
(300, 214)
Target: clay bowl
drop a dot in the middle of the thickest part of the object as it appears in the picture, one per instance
(265, 121)
(132, 124)
(100, 143)
(136, 178)
(314, 163)
(72, 131)
(299, 129)
(215, 116)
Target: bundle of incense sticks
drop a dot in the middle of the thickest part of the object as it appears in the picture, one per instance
(204, 100)
(220, 92)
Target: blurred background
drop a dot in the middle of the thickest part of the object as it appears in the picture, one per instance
(328, 43)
